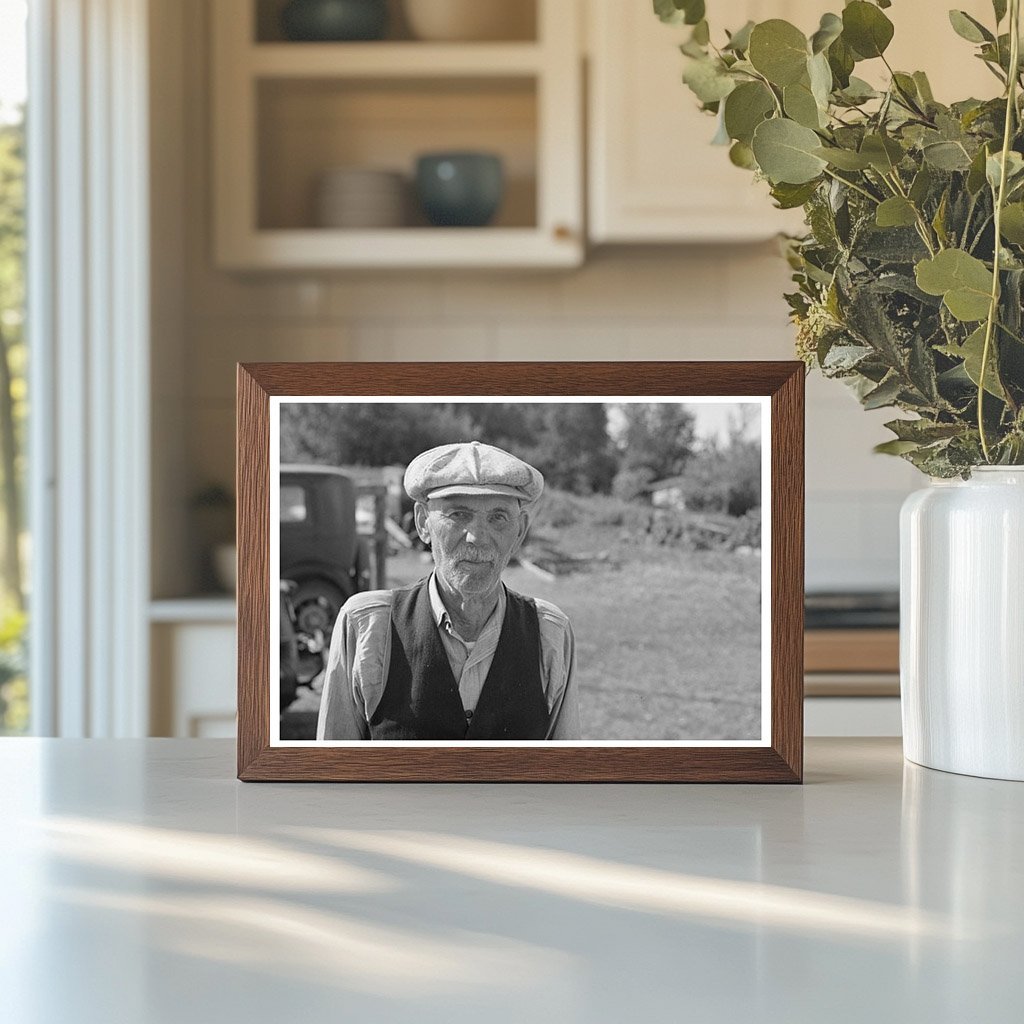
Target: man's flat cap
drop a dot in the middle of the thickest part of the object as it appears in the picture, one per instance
(470, 467)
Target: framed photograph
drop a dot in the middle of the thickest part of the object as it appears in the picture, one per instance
(517, 572)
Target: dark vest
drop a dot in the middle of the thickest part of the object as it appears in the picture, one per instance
(421, 696)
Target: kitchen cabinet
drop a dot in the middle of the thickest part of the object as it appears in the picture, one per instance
(193, 668)
(286, 113)
(653, 175)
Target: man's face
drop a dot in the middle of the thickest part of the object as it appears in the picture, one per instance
(472, 538)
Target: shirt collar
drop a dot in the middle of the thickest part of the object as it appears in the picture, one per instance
(440, 613)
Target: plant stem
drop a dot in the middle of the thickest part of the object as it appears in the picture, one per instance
(922, 225)
(993, 309)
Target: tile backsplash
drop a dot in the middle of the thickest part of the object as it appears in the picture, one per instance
(716, 302)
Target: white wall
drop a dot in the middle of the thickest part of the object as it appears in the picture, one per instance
(720, 302)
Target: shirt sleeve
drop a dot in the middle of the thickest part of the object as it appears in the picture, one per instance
(341, 716)
(558, 667)
(565, 722)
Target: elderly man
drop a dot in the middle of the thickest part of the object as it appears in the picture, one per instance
(457, 656)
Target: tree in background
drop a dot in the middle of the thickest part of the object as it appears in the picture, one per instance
(14, 706)
(567, 442)
(13, 397)
(571, 447)
(655, 441)
(726, 477)
(367, 434)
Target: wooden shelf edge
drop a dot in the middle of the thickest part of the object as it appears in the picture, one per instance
(305, 249)
(392, 60)
(852, 650)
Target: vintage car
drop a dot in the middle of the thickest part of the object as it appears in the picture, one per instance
(320, 551)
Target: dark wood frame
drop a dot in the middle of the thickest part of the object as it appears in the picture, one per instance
(782, 761)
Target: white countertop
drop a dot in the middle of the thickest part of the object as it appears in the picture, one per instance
(144, 885)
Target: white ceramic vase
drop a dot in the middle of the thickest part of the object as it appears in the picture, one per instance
(962, 624)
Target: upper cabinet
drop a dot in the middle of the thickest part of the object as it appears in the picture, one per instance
(653, 174)
(317, 144)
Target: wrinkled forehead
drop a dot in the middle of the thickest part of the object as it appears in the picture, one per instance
(475, 503)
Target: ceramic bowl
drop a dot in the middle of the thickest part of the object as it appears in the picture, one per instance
(460, 189)
(360, 197)
(334, 20)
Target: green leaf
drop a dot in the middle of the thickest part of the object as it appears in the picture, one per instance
(883, 153)
(789, 197)
(785, 152)
(742, 155)
(946, 156)
(745, 108)
(1012, 223)
(820, 76)
(923, 431)
(885, 394)
(906, 89)
(778, 50)
(976, 174)
(857, 91)
(800, 105)
(739, 41)
(896, 212)
(895, 447)
(971, 352)
(999, 6)
(707, 80)
(994, 167)
(921, 186)
(676, 12)
(866, 29)
(844, 159)
(701, 33)
(968, 28)
(841, 60)
(830, 29)
(963, 281)
(924, 88)
(939, 220)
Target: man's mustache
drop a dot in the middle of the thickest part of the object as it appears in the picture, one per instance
(471, 555)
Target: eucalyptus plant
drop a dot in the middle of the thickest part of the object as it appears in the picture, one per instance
(910, 278)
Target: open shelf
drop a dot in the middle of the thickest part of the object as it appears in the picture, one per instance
(287, 113)
(307, 127)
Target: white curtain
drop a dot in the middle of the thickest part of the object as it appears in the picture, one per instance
(88, 322)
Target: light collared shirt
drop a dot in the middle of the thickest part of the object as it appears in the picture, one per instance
(360, 657)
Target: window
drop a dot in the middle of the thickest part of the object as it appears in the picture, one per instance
(14, 548)
(293, 504)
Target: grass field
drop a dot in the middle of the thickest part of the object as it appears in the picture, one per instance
(668, 641)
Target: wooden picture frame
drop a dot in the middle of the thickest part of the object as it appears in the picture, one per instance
(776, 757)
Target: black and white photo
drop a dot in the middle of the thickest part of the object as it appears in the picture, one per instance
(508, 570)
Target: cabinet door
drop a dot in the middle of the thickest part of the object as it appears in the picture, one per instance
(653, 174)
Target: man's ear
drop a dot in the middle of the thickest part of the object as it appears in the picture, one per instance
(419, 512)
(524, 526)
